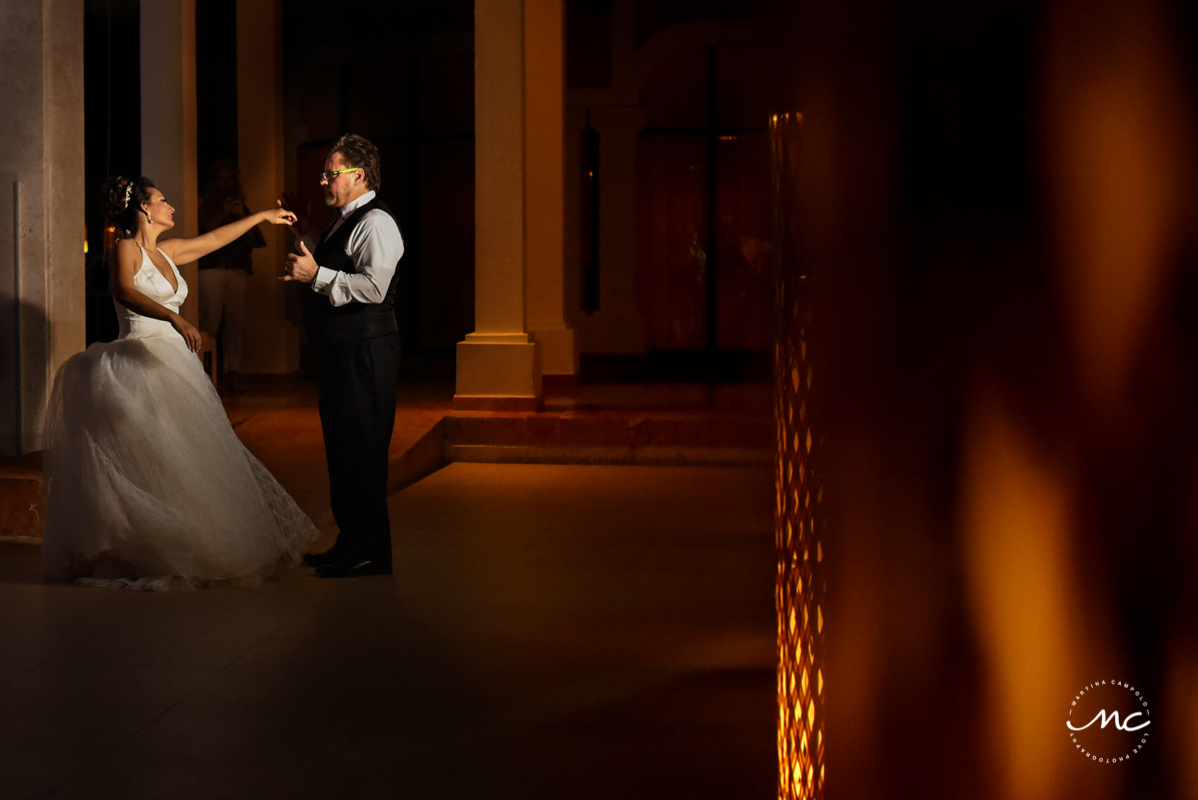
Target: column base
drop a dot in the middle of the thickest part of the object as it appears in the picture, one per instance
(499, 372)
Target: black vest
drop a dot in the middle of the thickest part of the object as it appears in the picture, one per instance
(327, 323)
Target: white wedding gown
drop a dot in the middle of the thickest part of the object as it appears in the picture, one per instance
(147, 486)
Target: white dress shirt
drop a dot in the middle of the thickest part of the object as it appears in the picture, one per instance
(375, 247)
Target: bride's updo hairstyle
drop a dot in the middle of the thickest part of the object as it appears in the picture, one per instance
(123, 199)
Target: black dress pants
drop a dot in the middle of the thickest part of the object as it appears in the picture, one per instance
(357, 413)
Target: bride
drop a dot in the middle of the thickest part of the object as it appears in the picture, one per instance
(147, 486)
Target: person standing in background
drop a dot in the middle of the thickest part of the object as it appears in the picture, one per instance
(223, 273)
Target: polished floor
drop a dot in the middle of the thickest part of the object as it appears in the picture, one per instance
(549, 632)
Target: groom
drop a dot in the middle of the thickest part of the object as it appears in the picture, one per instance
(351, 272)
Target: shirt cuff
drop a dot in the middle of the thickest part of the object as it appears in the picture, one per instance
(324, 278)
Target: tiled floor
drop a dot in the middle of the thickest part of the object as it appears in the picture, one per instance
(549, 632)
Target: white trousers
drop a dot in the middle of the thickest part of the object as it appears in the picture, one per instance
(222, 296)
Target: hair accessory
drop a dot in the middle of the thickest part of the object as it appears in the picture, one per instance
(128, 193)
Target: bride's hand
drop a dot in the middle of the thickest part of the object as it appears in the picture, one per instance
(291, 203)
(189, 333)
(279, 216)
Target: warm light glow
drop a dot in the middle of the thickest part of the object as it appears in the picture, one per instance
(1116, 153)
(1120, 166)
(1017, 529)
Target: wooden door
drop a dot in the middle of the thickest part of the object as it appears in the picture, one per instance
(678, 254)
(744, 311)
(672, 240)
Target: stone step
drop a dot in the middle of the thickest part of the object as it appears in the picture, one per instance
(625, 438)
(602, 438)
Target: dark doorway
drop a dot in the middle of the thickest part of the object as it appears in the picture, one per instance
(111, 137)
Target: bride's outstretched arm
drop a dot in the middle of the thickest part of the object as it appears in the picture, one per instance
(124, 262)
(184, 251)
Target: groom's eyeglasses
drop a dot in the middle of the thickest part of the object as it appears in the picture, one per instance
(327, 177)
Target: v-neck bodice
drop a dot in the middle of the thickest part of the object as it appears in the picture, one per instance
(153, 284)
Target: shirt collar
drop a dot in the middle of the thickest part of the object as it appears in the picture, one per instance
(354, 205)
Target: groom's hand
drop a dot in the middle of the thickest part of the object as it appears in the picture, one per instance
(300, 266)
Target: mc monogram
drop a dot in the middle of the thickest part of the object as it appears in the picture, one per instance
(1114, 715)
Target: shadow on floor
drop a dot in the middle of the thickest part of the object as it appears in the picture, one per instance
(20, 562)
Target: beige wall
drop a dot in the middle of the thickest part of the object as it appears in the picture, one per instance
(168, 120)
(169, 152)
(41, 208)
(272, 341)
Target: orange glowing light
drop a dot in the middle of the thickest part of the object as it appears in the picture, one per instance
(799, 496)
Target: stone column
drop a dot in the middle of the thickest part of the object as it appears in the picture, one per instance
(41, 208)
(168, 120)
(499, 364)
(272, 342)
(544, 190)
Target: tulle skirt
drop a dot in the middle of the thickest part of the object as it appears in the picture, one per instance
(146, 483)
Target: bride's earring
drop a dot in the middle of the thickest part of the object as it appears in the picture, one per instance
(149, 220)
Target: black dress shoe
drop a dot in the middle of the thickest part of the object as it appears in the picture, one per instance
(330, 556)
(355, 567)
